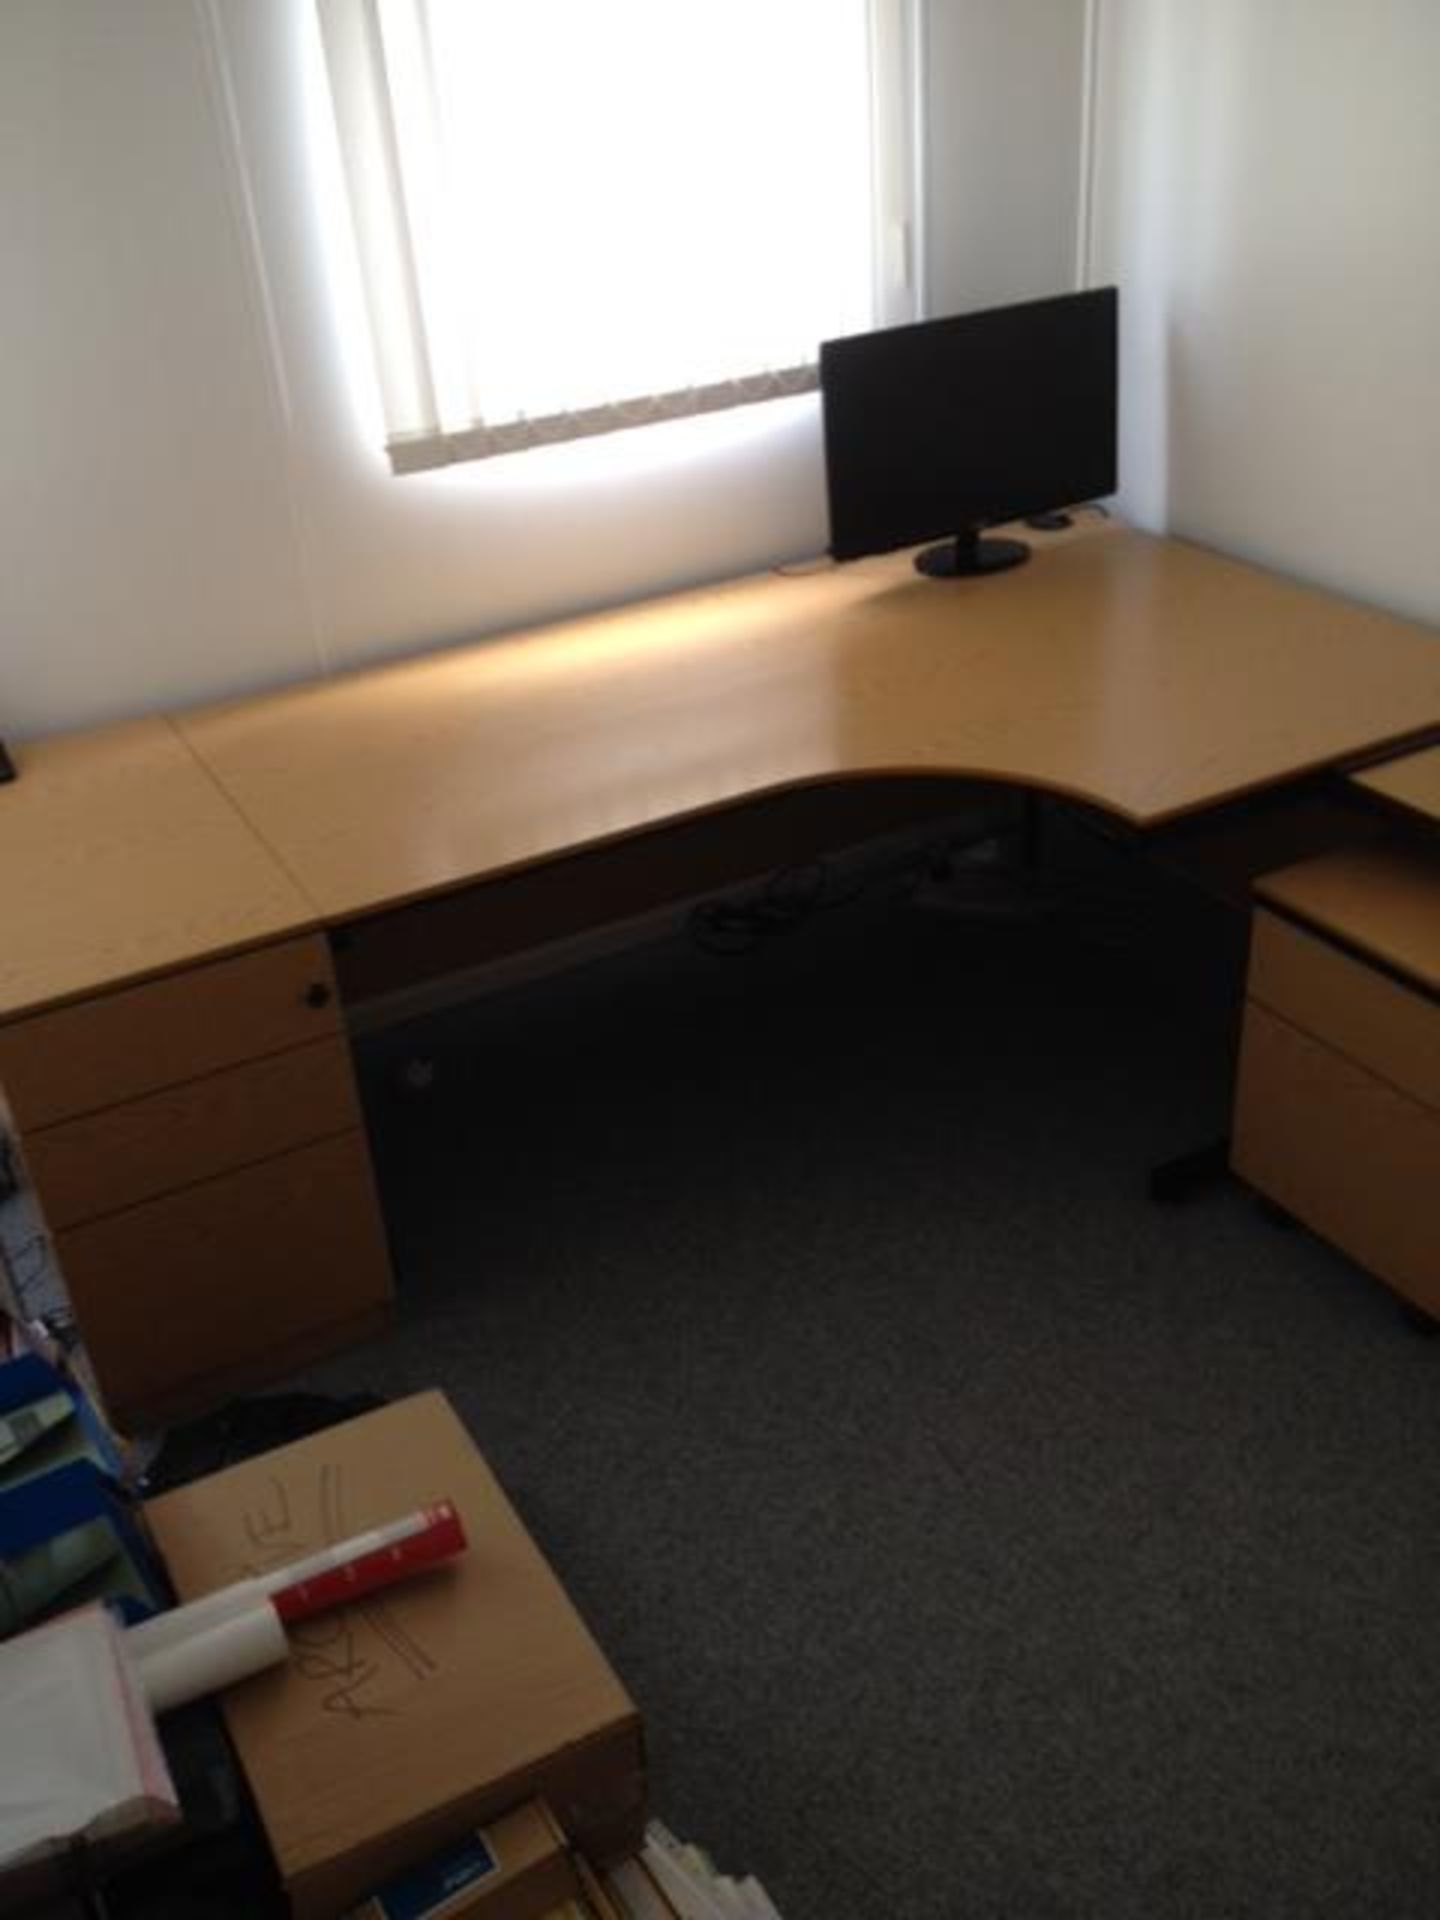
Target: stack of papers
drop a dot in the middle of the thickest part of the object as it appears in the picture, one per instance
(80, 1764)
(670, 1880)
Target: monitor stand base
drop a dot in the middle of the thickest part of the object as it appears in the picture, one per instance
(968, 554)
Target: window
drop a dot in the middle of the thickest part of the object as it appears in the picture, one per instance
(574, 216)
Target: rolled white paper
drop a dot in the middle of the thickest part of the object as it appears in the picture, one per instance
(198, 1616)
(232, 1649)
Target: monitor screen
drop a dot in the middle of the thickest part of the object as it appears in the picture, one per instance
(948, 426)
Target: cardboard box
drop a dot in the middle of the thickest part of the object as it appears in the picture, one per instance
(518, 1868)
(407, 1721)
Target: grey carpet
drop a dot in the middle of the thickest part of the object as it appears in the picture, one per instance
(978, 1538)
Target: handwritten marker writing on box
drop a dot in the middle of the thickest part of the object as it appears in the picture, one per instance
(240, 1629)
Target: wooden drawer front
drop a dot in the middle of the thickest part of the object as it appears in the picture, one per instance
(224, 1273)
(1345, 1152)
(122, 1155)
(99, 1052)
(1377, 1021)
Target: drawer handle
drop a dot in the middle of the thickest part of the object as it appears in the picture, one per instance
(317, 994)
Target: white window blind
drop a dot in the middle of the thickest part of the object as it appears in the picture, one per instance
(573, 216)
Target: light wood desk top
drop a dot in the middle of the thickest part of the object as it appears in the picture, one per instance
(1412, 782)
(121, 858)
(1145, 675)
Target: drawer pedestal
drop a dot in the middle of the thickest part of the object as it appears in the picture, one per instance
(197, 1152)
(1337, 1112)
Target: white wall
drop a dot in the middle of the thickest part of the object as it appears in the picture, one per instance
(1002, 150)
(1268, 194)
(189, 501)
(145, 534)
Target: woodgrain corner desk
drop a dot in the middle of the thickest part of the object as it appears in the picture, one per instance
(172, 1042)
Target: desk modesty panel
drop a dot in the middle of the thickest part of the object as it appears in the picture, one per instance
(1144, 675)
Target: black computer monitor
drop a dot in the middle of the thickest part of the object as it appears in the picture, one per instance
(949, 426)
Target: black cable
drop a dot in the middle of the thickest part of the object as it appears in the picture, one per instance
(723, 930)
(792, 895)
